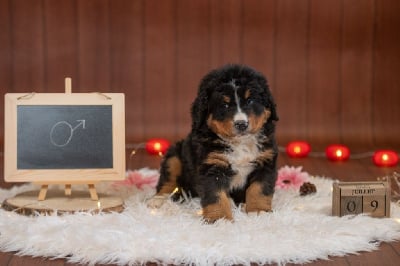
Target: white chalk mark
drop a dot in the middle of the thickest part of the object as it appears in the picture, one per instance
(71, 132)
(81, 122)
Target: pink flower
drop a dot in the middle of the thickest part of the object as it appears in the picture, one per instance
(139, 179)
(290, 177)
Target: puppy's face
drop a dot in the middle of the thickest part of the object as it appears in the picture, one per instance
(238, 107)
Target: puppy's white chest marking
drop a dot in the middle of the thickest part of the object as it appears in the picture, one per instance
(244, 151)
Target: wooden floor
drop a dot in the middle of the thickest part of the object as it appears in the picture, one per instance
(352, 170)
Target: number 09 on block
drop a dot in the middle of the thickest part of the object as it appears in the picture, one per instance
(349, 198)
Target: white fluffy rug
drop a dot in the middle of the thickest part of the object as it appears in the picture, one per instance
(299, 230)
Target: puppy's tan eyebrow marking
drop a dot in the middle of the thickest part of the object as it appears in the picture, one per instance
(226, 99)
(247, 94)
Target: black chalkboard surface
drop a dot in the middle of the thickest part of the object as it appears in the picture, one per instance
(64, 137)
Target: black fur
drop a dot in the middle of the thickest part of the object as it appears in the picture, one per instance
(200, 178)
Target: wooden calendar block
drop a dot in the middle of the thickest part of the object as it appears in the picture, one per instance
(373, 198)
(371, 204)
(351, 205)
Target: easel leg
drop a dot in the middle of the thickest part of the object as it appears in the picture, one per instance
(93, 192)
(43, 192)
(68, 190)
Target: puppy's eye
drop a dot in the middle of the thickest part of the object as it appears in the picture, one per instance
(249, 101)
(225, 105)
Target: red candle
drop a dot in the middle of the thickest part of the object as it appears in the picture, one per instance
(337, 152)
(298, 149)
(385, 158)
(157, 146)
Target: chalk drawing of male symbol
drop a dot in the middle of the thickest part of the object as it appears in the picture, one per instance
(61, 133)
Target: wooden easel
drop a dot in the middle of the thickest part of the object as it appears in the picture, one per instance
(67, 189)
(61, 199)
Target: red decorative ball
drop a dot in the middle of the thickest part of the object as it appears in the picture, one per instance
(385, 158)
(157, 146)
(298, 149)
(337, 152)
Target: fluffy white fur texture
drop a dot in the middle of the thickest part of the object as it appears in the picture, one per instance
(299, 230)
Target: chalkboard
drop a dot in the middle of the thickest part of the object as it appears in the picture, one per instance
(64, 137)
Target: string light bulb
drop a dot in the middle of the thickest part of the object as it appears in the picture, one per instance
(337, 152)
(386, 158)
(157, 146)
(298, 149)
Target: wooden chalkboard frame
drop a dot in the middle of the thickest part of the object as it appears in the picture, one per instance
(64, 176)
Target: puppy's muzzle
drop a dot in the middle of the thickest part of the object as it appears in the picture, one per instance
(241, 125)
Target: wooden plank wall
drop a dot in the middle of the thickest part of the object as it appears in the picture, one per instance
(333, 65)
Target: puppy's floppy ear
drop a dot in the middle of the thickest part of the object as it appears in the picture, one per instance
(199, 109)
(272, 106)
(270, 103)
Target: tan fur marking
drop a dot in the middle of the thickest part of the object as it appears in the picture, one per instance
(175, 169)
(174, 166)
(219, 210)
(223, 128)
(266, 155)
(216, 158)
(256, 201)
(257, 122)
(226, 99)
(247, 94)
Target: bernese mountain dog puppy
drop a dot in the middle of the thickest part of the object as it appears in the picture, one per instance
(231, 151)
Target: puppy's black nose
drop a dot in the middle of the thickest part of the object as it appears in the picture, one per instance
(241, 125)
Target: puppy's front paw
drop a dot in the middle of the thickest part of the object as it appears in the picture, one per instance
(262, 204)
(218, 210)
(258, 210)
(256, 200)
(212, 214)
(156, 201)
